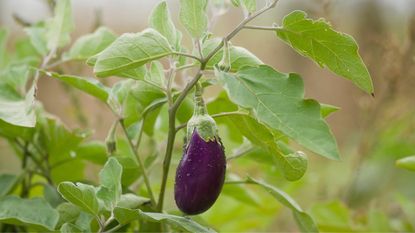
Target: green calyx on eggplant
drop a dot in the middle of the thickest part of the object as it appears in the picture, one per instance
(201, 172)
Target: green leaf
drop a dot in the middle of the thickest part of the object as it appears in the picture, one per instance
(51, 195)
(132, 201)
(304, 221)
(81, 195)
(160, 20)
(193, 16)
(19, 112)
(60, 26)
(68, 213)
(407, 163)
(239, 57)
(242, 194)
(327, 109)
(249, 5)
(277, 101)
(332, 217)
(87, 85)
(334, 50)
(110, 179)
(131, 50)
(70, 228)
(293, 166)
(182, 223)
(34, 212)
(125, 215)
(90, 44)
(155, 74)
(7, 183)
(38, 38)
(93, 151)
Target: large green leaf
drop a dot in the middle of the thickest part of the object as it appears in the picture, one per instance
(90, 44)
(304, 221)
(60, 26)
(34, 212)
(193, 16)
(293, 166)
(130, 51)
(239, 56)
(277, 101)
(7, 182)
(334, 50)
(88, 85)
(407, 163)
(81, 195)
(110, 179)
(19, 112)
(182, 223)
(68, 213)
(160, 20)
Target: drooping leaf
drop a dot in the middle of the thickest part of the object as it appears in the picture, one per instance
(110, 179)
(317, 40)
(60, 26)
(193, 16)
(239, 57)
(34, 212)
(182, 223)
(19, 112)
(125, 215)
(132, 201)
(90, 44)
(304, 221)
(160, 20)
(407, 163)
(81, 195)
(276, 100)
(7, 182)
(131, 50)
(88, 85)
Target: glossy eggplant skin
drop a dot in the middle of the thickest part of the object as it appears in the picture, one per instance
(200, 175)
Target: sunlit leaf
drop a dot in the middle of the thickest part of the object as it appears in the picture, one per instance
(160, 20)
(193, 16)
(7, 182)
(317, 40)
(60, 26)
(407, 163)
(81, 195)
(110, 180)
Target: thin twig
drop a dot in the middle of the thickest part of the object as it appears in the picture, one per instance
(261, 28)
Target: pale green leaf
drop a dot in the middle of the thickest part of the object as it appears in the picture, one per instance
(155, 74)
(38, 39)
(34, 212)
(317, 40)
(182, 223)
(92, 151)
(90, 44)
(110, 179)
(60, 26)
(125, 215)
(130, 51)
(239, 57)
(7, 183)
(19, 112)
(87, 85)
(81, 195)
(51, 195)
(332, 217)
(304, 221)
(327, 109)
(70, 228)
(160, 20)
(193, 16)
(132, 201)
(249, 5)
(276, 100)
(68, 213)
(407, 163)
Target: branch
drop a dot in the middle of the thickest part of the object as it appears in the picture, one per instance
(261, 28)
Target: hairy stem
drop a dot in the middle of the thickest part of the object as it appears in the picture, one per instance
(173, 107)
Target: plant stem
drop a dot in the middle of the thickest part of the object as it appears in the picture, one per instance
(140, 163)
(187, 55)
(261, 28)
(173, 108)
(240, 153)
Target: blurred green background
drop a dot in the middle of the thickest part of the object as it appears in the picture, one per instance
(364, 191)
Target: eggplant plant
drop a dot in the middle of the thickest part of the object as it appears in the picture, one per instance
(259, 113)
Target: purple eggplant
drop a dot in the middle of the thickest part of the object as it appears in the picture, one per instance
(200, 175)
(201, 172)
